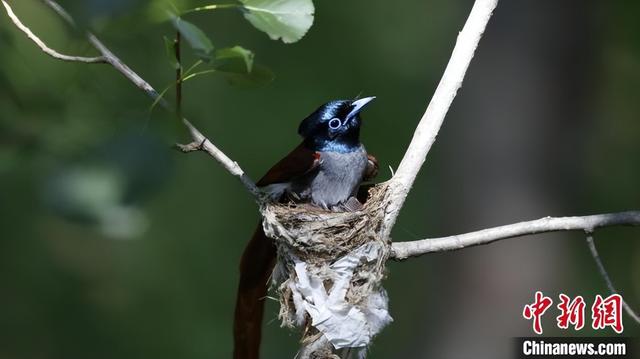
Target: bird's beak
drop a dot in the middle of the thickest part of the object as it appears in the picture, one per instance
(357, 105)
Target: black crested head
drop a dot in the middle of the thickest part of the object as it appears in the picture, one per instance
(334, 126)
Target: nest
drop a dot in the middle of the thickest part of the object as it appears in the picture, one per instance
(343, 252)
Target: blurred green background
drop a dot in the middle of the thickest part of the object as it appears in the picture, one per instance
(113, 245)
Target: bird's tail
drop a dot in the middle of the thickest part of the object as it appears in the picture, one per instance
(256, 266)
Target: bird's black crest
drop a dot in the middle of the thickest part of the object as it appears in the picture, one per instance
(323, 114)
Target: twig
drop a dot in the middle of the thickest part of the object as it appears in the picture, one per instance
(110, 58)
(46, 49)
(403, 250)
(603, 272)
(430, 123)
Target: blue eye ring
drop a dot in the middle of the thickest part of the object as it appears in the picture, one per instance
(335, 123)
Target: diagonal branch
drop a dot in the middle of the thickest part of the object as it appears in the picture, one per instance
(404, 250)
(430, 123)
(603, 272)
(201, 143)
(108, 57)
(46, 49)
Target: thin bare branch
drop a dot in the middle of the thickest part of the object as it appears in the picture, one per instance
(605, 275)
(403, 250)
(46, 49)
(200, 142)
(429, 126)
(110, 57)
(107, 56)
(126, 70)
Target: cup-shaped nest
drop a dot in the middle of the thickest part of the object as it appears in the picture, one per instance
(314, 233)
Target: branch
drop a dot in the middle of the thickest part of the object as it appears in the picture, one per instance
(430, 123)
(403, 250)
(110, 58)
(46, 49)
(603, 272)
(201, 143)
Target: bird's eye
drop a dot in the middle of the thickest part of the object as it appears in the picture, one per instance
(335, 123)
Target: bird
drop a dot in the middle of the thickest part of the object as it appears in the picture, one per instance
(325, 171)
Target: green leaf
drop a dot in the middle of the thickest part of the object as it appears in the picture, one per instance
(196, 38)
(288, 20)
(164, 10)
(171, 54)
(236, 53)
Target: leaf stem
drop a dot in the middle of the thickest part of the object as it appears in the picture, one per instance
(190, 76)
(212, 7)
(187, 72)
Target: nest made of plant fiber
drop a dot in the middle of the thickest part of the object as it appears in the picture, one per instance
(319, 238)
(313, 233)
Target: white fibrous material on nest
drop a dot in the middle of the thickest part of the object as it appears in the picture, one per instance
(329, 271)
(346, 325)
